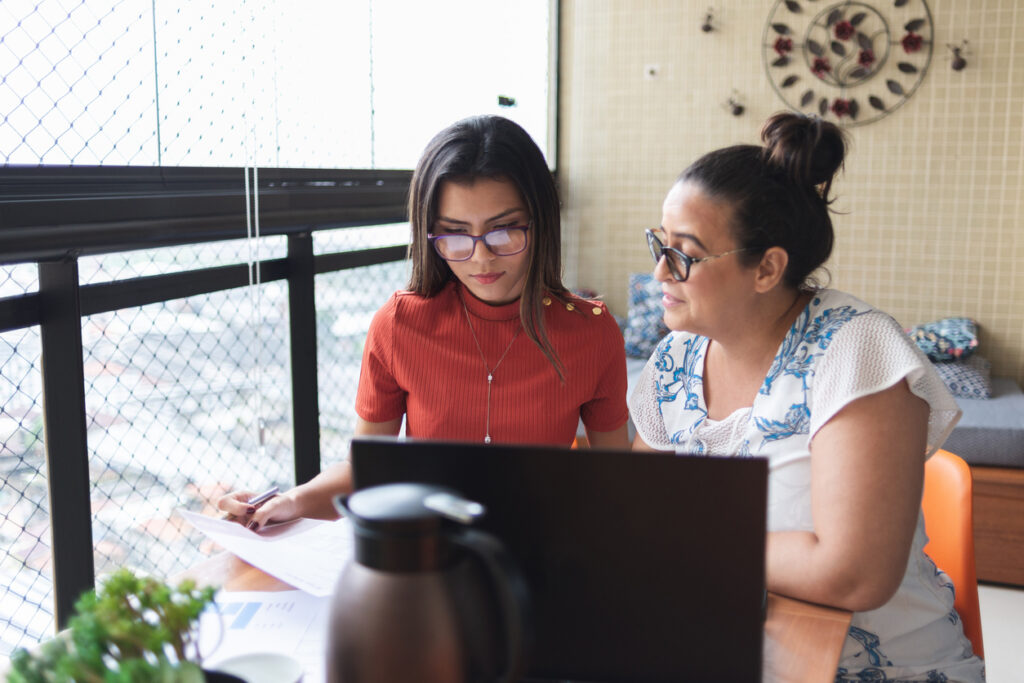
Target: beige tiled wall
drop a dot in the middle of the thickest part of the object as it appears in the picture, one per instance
(932, 198)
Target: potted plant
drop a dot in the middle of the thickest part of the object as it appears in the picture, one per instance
(133, 630)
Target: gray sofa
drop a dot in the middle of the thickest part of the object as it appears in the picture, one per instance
(990, 437)
(991, 431)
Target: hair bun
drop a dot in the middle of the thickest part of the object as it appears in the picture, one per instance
(806, 150)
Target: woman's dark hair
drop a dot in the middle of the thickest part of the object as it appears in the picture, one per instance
(779, 193)
(494, 148)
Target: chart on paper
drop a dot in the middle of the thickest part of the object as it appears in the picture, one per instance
(293, 623)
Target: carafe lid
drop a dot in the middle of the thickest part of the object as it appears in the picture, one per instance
(402, 527)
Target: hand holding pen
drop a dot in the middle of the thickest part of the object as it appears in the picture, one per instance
(254, 511)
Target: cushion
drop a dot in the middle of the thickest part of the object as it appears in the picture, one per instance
(991, 432)
(644, 325)
(967, 378)
(946, 339)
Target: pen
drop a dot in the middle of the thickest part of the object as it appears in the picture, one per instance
(263, 497)
(255, 500)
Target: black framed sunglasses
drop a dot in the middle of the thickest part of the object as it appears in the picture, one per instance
(501, 242)
(678, 263)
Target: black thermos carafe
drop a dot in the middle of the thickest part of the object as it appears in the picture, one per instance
(425, 598)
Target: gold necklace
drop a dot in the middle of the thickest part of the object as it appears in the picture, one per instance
(490, 371)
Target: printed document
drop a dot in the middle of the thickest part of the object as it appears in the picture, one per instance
(308, 553)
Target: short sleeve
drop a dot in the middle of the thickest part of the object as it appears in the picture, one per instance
(643, 406)
(606, 410)
(870, 354)
(379, 397)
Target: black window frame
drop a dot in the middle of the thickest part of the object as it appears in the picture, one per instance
(51, 216)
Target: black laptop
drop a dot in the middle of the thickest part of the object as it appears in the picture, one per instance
(641, 566)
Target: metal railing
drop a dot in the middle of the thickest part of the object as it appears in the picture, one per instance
(58, 219)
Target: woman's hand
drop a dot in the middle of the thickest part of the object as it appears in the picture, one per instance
(281, 508)
(313, 499)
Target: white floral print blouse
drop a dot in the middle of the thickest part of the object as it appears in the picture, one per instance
(839, 349)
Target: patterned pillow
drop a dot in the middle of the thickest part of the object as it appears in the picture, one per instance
(967, 379)
(946, 339)
(644, 325)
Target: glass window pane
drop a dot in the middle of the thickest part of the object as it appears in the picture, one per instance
(26, 567)
(435, 63)
(321, 85)
(131, 264)
(368, 237)
(345, 304)
(185, 400)
(317, 84)
(77, 84)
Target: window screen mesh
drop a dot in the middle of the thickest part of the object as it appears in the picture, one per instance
(182, 396)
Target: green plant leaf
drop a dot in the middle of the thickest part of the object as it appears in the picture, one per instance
(133, 630)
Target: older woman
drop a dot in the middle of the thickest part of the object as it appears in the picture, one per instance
(761, 362)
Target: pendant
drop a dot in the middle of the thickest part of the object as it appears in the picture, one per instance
(487, 431)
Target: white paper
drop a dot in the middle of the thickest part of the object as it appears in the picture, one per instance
(308, 554)
(292, 623)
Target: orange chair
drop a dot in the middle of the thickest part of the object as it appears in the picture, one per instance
(949, 523)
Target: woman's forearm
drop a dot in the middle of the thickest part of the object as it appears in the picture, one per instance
(800, 565)
(315, 498)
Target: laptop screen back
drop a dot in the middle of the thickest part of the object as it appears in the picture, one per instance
(641, 566)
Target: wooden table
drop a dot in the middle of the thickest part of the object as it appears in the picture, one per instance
(802, 642)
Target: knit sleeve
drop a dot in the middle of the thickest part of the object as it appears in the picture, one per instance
(644, 408)
(872, 353)
(606, 410)
(379, 398)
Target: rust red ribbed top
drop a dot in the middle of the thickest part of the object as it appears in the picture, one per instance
(420, 359)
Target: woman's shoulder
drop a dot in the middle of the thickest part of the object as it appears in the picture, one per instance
(408, 301)
(844, 307)
(830, 299)
(405, 307)
(568, 307)
(588, 304)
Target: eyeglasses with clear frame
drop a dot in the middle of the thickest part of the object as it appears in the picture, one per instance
(678, 263)
(501, 242)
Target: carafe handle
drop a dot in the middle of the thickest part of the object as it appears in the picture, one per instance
(512, 593)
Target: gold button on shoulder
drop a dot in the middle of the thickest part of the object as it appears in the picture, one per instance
(570, 307)
(546, 301)
(596, 310)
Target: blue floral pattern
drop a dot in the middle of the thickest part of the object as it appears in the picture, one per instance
(778, 426)
(872, 674)
(685, 380)
(806, 341)
(870, 642)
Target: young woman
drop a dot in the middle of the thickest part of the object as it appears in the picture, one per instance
(846, 409)
(487, 344)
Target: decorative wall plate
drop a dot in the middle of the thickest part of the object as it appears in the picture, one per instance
(851, 62)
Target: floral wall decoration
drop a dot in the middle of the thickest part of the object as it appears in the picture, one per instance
(850, 62)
